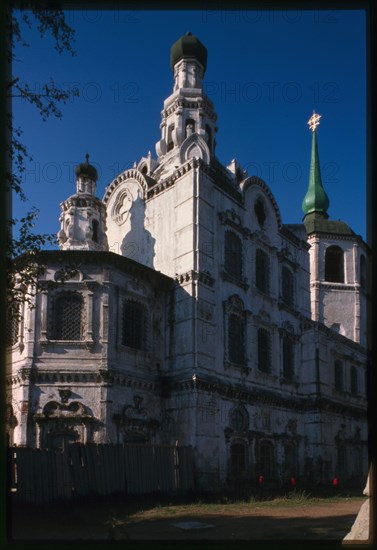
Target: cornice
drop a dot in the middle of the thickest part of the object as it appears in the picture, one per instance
(300, 403)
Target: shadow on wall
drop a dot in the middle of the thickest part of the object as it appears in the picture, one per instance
(138, 244)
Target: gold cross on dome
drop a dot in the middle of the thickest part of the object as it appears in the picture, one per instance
(314, 121)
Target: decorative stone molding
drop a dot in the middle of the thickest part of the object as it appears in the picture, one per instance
(255, 181)
(230, 217)
(135, 420)
(194, 146)
(194, 275)
(266, 397)
(122, 206)
(128, 174)
(242, 283)
(242, 368)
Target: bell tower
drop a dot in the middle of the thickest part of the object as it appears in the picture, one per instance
(83, 217)
(338, 259)
(188, 125)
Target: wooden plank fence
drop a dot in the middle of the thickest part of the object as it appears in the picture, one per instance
(40, 476)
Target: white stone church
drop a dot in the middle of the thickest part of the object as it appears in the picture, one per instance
(180, 308)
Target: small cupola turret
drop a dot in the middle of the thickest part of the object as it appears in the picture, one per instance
(83, 216)
(188, 125)
(86, 178)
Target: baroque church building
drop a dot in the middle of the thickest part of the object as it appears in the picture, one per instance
(180, 309)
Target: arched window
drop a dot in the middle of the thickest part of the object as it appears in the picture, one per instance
(60, 441)
(95, 227)
(238, 460)
(266, 460)
(262, 271)
(363, 272)
(189, 127)
(338, 375)
(233, 255)
(290, 460)
(288, 359)
(135, 437)
(354, 381)
(169, 141)
(68, 317)
(334, 264)
(236, 339)
(264, 350)
(260, 211)
(12, 323)
(287, 286)
(209, 137)
(342, 461)
(134, 325)
(239, 419)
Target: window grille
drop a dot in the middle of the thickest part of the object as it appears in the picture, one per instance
(236, 339)
(134, 330)
(12, 323)
(287, 286)
(266, 460)
(334, 264)
(238, 459)
(233, 255)
(262, 271)
(264, 350)
(68, 317)
(290, 459)
(354, 381)
(338, 375)
(288, 359)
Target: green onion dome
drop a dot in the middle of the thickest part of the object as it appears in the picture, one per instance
(188, 46)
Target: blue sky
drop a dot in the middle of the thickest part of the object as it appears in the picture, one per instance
(266, 72)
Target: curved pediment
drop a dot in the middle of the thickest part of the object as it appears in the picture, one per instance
(194, 146)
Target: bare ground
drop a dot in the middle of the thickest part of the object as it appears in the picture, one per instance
(151, 521)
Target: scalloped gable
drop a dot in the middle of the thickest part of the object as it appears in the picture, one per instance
(131, 174)
(258, 182)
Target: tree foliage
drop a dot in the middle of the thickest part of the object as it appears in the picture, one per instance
(21, 238)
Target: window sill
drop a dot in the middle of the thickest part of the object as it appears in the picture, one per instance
(238, 366)
(133, 351)
(89, 343)
(289, 381)
(241, 282)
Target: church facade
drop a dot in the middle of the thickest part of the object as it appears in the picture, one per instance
(180, 308)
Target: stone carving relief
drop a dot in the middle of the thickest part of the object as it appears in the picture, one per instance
(134, 423)
(122, 206)
(63, 423)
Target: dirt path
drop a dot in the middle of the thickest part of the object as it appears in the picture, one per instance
(331, 520)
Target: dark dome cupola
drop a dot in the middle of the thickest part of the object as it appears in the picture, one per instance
(86, 170)
(188, 47)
